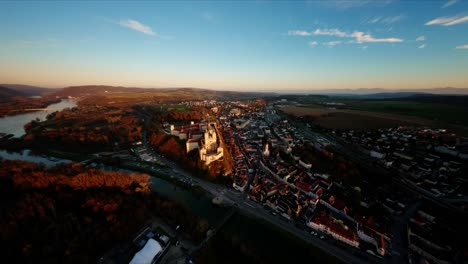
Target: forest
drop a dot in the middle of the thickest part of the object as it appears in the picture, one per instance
(18, 105)
(72, 214)
(87, 128)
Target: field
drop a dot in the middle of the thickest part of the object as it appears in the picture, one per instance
(354, 119)
(447, 113)
(441, 109)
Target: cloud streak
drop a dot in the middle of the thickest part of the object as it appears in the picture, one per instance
(137, 26)
(421, 38)
(330, 32)
(299, 33)
(318, 32)
(448, 21)
(449, 3)
(359, 37)
(347, 4)
(462, 46)
(332, 44)
(422, 46)
(384, 20)
(362, 37)
(313, 43)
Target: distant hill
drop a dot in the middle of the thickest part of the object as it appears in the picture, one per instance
(179, 93)
(388, 93)
(27, 90)
(7, 94)
(87, 90)
(446, 90)
(453, 100)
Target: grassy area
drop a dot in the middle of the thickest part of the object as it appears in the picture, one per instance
(179, 108)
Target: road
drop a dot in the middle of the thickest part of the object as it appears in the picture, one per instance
(250, 208)
(400, 234)
(231, 197)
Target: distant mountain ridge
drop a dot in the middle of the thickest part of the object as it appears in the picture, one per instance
(368, 93)
(383, 92)
(183, 92)
(7, 94)
(27, 90)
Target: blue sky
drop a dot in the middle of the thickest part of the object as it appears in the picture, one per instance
(244, 45)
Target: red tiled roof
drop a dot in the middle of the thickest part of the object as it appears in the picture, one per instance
(304, 186)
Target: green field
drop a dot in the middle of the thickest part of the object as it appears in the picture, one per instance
(178, 108)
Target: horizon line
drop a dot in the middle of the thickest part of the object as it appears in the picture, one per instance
(251, 90)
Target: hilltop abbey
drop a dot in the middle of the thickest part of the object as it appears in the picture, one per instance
(203, 137)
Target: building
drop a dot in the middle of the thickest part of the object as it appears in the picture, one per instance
(146, 255)
(192, 144)
(266, 152)
(200, 136)
(211, 150)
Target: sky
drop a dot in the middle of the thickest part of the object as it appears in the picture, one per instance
(244, 45)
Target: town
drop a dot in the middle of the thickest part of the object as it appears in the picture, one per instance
(163, 132)
(296, 176)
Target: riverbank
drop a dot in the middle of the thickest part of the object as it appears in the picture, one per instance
(22, 105)
(73, 214)
(200, 204)
(14, 124)
(251, 240)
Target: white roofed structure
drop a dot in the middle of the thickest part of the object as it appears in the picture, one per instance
(147, 253)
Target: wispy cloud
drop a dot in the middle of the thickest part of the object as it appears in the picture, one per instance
(448, 21)
(299, 33)
(318, 32)
(137, 26)
(362, 37)
(332, 44)
(313, 43)
(462, 46)
(359, 37)
(330, 32)
(449, 3)
(422, 46)
(421, 38)
(347, 4)
(384, 20)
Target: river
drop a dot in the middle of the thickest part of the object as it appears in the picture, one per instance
(199, 205)
(27, 155)
(15, 124)
(264, 237)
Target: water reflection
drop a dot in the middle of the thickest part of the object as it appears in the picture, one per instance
(15, 124)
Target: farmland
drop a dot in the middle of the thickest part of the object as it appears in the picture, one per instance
(438, 108)
(353, 119)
